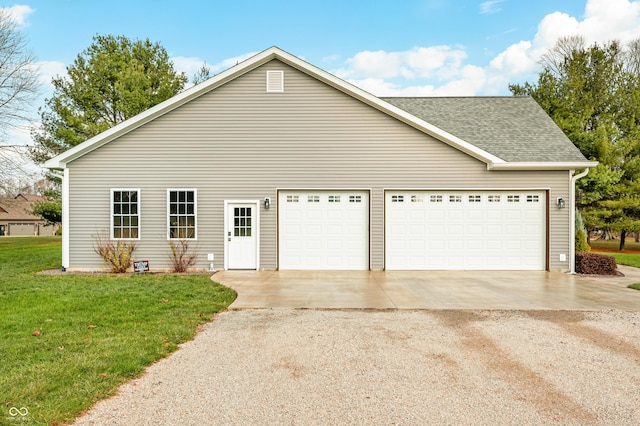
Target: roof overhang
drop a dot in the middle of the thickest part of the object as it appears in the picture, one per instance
(246, 66)
(577, 165)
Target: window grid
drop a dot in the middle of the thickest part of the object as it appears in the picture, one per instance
(397, 198)
(313, 198)
(417, 199)
(355, 198)
(292, 198)
(182, 214)
(475, 198)
(455, 198)
(494, 198)
(334, 198)
(533, 198)
(513, 198)
(125, 214)
(435, 198)
(242, 221)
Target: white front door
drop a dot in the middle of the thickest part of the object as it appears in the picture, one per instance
(242, 235)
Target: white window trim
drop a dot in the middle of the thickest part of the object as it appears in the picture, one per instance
(112, 190)
(195, 209)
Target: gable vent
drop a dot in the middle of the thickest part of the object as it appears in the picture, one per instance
(275, 81)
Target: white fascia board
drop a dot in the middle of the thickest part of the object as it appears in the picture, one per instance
(255, 61)
(576, 165)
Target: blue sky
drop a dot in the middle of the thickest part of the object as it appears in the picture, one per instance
(390, 48)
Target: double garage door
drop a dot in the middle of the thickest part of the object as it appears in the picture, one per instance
(479, 230)
(424, 230)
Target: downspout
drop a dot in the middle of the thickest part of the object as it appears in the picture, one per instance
(572, 220)
(65, 219)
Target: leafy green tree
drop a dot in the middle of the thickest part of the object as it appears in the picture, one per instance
(50, 209)
(109, 82)
(593, 95)
(203, 74)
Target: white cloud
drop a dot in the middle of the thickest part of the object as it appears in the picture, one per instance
(515, 59)
(419, 62)
(187, 65)
(19, 13)
(443, 71)
(492, 6)
(47, 70)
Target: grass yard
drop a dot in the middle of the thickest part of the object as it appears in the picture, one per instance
(69, 340)
(630, 256)
(630, 245)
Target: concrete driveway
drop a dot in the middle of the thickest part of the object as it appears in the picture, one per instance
(431, 290)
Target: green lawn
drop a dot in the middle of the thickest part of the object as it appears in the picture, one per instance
(69, 340)
(610, 248)
(627, 259)
(608, 245)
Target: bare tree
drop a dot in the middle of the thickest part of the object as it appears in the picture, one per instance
(18, 74)
(19, 87)
(632, 56)
(564, 48)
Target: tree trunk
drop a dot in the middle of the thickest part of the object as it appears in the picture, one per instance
(637, 237)
(623, 235)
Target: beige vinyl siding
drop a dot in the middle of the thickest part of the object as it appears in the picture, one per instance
(240, 142)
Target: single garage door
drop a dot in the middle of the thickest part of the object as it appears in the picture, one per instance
(323, 230)
(471, 230)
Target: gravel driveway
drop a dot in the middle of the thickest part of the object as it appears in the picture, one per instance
(318, 367)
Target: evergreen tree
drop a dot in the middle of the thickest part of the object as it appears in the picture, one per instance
(111, 81)
(593, 95)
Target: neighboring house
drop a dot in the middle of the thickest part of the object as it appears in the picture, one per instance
(16, 219)
(277, 164)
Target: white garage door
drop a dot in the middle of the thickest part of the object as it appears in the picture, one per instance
(323, 230)
(474, 230)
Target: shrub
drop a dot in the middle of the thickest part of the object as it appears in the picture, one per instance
(180, 257)
(115, 254)
(581, 242)
(598, 264)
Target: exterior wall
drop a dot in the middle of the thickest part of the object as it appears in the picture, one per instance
(239, 142)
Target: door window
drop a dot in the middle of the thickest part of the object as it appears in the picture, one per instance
(242, 221)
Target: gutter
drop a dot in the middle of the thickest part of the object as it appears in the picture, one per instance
(572, 220)
(538, 165)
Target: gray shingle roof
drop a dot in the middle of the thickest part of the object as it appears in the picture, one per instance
(515, 129)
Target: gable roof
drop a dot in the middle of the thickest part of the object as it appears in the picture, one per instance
(500, 125)
(19, 207)
(411, 113)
